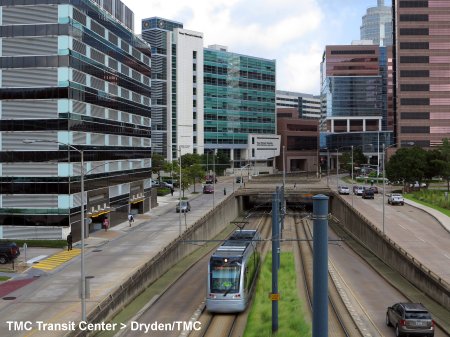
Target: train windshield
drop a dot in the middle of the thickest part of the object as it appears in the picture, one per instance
(225, 276)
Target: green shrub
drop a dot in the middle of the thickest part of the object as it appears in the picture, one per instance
(163, 191)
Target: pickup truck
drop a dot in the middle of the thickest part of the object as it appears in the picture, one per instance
(8, 251)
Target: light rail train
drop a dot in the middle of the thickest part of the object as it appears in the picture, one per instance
(232, 272)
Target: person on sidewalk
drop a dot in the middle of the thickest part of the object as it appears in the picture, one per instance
(130, 219)
(69, 241)
(171, 191)
(106, 224)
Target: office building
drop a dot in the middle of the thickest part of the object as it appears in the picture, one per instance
(422, 82)
(355, 96)
(300, 139)
(308, 106)
(177, 87)
(377, 25)
(75, 84)
(239, 103)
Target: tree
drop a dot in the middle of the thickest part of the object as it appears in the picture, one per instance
(196, 172)
(407, 164)
(345, 161)
(434, 164)
(158, 162)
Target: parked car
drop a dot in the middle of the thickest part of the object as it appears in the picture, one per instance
(418, 185)
(208, 189)
(368, 193)
(155, 183)
(185, 207)
(343, 190)
(8, 251)
(396, 199)
(410, 319)
(167, 184)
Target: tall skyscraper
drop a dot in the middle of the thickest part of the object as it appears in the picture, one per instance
(422, 58)
(239, 101)
(177, 87)
(377, 25)
(75, 82)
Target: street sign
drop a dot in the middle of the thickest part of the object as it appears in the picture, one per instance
(274, 297)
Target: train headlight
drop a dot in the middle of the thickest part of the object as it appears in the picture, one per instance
(225, 260)
(237, 296)
(212, 296)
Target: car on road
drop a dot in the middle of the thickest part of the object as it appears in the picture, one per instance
(343, 190)
(358, 190)
(185, 207)
(410, 319)
(374, 189)
(368, 193)
(167, 184)
(8, 251)
(210, 179)
(396, 199)
(208, 189)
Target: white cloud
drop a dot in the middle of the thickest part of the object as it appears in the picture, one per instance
(300, 71)
(285, 30)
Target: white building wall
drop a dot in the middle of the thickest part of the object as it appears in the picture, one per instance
(187, 42)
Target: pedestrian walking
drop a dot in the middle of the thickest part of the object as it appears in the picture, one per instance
(295, 184)
(69, 241)
(130, 219)
(106, 224)
(171, 191)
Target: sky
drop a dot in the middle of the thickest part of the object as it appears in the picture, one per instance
(293, 32)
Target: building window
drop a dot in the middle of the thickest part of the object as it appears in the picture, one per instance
(415, 87)
(414, 73)
(194, 79)
(414, 45)
(194, 91)
(253, 140)
(194, 66)
(413, 31)
(414, 59)
(413, 4)
(413, 17)
(415, 115)
(194, 54)
(415, 129)
(415, 101)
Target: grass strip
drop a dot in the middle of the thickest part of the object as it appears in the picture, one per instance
(39, 243)
(291, 320)
(4, 278)
(415, 198)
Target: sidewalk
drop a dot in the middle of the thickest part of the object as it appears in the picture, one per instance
(442, 218)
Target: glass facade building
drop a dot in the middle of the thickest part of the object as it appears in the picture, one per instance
(239, 93)
(355, 98)
(74, 79)
(377, 25)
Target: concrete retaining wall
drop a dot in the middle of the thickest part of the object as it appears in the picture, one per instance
(205, 228)
(388, 251)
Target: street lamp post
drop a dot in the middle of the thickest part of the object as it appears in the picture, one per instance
(83, 275)
(179, 194)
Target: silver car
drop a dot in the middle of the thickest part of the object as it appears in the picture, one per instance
(185, 207)
(410, 319)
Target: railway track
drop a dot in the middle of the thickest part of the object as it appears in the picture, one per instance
(340, 322)
(230, 325)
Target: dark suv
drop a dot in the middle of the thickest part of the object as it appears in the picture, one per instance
(410, 319)
(368, 193)
(8, 251)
